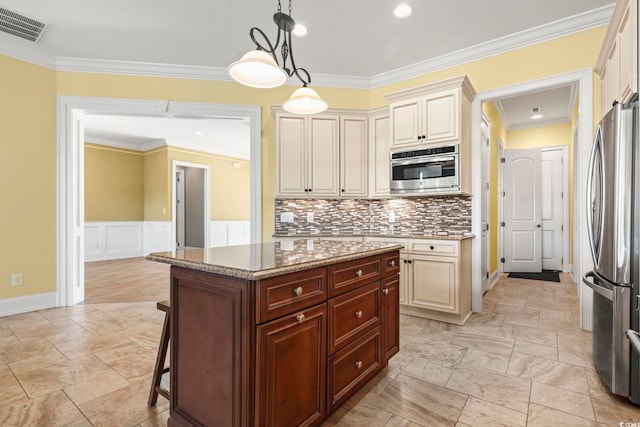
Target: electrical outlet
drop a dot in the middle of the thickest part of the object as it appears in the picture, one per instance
(309, 216)
(286, 217)
(392, 216)
(16, 279)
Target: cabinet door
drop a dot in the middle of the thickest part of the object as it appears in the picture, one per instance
(353, 156)
(291, 369)
(379, 141)
(434, 283)
(442, 117)
(613, 75)
(322, 156)
(390, 317)
(405, 122)
(405, 279)
(291, 167)
(627, 47)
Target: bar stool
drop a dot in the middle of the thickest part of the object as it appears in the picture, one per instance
(160, 359)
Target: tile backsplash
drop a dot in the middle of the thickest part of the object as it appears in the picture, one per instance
(412, 216)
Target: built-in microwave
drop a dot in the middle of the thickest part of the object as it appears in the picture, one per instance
(425, 170)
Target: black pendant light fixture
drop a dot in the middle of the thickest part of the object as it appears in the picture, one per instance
(261, 68)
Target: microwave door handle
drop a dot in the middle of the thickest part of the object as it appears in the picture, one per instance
(590, 212)
(422, 160)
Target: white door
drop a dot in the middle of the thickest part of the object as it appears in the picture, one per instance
(484, 206)
(522, 209)
(552, 208)
(180, 209)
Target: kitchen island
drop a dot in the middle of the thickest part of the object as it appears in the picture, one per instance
(278, 334)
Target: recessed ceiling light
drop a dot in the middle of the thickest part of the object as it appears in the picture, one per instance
(199, 133)
(299, 30)
(535, 113)
(402, 11)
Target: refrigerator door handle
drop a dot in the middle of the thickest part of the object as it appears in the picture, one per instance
(634, 339)
(590, 203)
(608, 294)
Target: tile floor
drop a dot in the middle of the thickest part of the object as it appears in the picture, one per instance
(522, 361)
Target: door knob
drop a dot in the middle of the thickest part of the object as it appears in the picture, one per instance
(539, 225)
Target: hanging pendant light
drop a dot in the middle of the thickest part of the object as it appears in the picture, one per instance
(260, 68)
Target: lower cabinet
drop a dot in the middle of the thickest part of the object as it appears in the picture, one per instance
(283, 351)
(291, 369)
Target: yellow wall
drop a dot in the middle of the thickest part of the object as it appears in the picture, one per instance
(28, 94)
(28, 177)
(157, 178)
(544, 136)
(113, 184)
(497, 132)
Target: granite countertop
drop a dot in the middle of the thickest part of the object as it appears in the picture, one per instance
(259, 261)
(462, 236)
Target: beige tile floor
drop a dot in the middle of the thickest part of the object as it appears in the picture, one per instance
(522, 361)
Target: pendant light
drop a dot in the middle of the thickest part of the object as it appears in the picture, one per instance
(260, 68)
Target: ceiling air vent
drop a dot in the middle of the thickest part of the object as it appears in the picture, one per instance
(21, 26)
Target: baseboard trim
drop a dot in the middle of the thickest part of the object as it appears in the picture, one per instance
(493, 279)
(27, 303)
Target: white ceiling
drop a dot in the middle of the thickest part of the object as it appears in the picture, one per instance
(355, 38)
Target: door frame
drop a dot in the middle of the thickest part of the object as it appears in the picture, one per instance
(584, 80)
(175, 164)
(70, 173)
(487, 282)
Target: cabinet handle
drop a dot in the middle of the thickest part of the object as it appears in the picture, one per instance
(409, 261)
(343, 190)
(298, 291)
(300, 318)
(393, 263)
(431, 247)
(359, 314)
(359, 273)
(359, 364)
(385, 291)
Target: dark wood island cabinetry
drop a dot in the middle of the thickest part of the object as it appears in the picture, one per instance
(278, 334)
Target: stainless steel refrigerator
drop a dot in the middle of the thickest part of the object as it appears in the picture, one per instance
(613, 224)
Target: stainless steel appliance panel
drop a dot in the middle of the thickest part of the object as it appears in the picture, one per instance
(425, 170)
(609, 190)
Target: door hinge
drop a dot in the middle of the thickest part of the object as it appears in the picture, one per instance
(487, 274)
(562, 228)
(503, 194)
(562, 194)
(562, 261)
(502, 224)
(503, 160)
(502, 260)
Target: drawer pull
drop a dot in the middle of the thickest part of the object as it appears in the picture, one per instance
(359, 273)
(300, 318)
(359, 314)
(385, 291)
(298, 291)
(359, 364)
(393, 263)
(431, 247)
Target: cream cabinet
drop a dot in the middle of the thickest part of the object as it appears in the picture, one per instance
(435, 278)
(433, 113)
(322, 155)
(379, 147)
(617, 62)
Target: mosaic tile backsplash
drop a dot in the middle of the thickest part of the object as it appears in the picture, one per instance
(413, 216)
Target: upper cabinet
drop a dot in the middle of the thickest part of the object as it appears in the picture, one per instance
(433, 113)
(379, 146)
(321, 155)
(617, 62)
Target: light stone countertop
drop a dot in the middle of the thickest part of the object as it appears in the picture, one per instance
(259, 261)
(387, 235)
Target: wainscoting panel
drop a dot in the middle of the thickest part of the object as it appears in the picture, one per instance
(230, 233)
(157, 236)
(125, 239)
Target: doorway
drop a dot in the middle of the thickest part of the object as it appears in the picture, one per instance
(535, 210)
(190, 201)
(70, 175)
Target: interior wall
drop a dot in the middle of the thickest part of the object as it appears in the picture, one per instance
(157, 178)
(544, 136)
(113, 184)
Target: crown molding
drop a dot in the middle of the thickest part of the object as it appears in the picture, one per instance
(550, 31)
(553, 30)
(110, 142)
(539, 123)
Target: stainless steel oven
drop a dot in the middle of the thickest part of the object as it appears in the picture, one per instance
(425, 170)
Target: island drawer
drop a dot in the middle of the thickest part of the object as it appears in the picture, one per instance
(349, 275)
(351, 367)
(278, 296)
(352, 313)
(391, 263)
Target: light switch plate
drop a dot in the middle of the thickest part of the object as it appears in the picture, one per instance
(392, 216)
(309, 216)
(286, 217)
